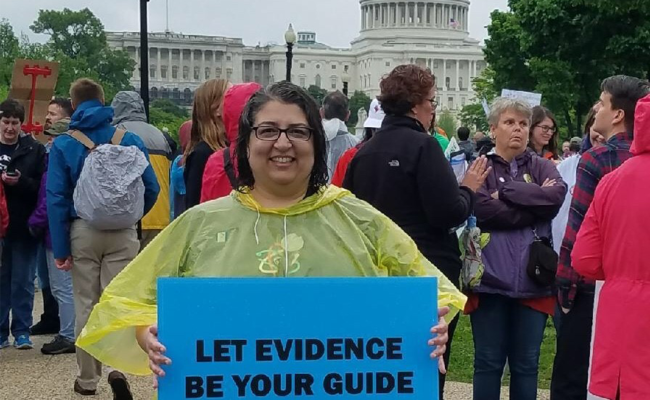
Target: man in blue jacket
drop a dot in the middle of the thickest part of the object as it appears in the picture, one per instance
(94, 256)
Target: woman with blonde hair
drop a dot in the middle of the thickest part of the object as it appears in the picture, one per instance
(207, 135)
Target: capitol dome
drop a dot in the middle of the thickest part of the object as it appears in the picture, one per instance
(382, 19)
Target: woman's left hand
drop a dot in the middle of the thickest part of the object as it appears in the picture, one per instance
(440, 341)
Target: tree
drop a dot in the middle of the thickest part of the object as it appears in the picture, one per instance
(358, 101)
(170, 107)
(78, 42)
(9, 51)
(448, 123)
(317, 93)
(473, 116)
(565, 48)
(163, 119)
(504, 55)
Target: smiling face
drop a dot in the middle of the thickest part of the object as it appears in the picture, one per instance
(511, 133)
(542, 134)
(283, 165)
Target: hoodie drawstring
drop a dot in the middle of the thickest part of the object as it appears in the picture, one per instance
(286, 249)
(257, 221)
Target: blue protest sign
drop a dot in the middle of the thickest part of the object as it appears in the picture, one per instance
(322, 338)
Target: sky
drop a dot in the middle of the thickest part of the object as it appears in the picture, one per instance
(336, 22)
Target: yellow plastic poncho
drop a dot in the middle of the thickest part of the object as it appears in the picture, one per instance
(330, 234)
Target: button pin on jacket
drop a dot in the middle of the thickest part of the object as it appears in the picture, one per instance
(394, 163)
(502, 180)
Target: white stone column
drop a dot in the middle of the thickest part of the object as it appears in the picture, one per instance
(444, 75)
(169, 65)
(368, 19)
(363, 15)
(373, 23)
(398, 13)
(202, 72)
(191, 74)
(414, 8)
(366, 15)
(457, 75)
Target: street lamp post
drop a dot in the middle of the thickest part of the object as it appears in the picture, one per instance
(346, 81)
(290, 38)
(144, 57)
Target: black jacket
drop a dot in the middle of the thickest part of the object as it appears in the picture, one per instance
(403, 172)
(193, 174)
(29, 159)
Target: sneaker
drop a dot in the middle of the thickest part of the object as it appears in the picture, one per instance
(84, 392)
(59, 345)
(44, 328)
(4, 343)
(119, 385)
(23, 343)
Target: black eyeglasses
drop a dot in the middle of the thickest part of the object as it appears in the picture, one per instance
(546, 128)
(434, 103)
(271, 133)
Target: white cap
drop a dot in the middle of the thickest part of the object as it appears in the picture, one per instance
(375, 116)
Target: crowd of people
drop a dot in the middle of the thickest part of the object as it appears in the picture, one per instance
(267, 183)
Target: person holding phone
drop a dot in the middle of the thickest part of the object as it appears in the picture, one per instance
(22, 163)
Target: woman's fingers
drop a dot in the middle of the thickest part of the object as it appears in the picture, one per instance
(439, 351)
(158, 358)
(155, 368)
(155, 382)
(441, 366)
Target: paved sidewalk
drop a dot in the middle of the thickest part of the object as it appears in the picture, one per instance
(30, 375)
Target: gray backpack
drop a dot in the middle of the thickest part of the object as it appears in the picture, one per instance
(110, 193)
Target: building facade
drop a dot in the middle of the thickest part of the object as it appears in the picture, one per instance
(431, 33)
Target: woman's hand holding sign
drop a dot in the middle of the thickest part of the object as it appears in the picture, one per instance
(440, 341)
(148, 340)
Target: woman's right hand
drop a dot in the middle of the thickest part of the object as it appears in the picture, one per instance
(476, 174)
(155, 350)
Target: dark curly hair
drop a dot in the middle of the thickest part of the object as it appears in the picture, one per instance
(287, 93)
(404, 88)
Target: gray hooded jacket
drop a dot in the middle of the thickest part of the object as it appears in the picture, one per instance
(130, 115)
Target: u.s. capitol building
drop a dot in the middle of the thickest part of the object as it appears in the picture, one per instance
(429, 33)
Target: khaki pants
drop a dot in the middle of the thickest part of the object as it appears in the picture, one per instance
(147, 236)
(98, 257)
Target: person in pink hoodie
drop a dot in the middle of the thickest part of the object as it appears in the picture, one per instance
(220, 172)
(609, 247)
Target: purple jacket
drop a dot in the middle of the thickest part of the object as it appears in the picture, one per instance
(38, 219)
(522, 205)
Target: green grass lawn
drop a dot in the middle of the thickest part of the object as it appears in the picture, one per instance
(462, 355)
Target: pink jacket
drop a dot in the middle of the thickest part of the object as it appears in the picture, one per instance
(612, 245)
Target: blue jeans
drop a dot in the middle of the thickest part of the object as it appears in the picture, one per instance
(504, 329)
(17, 275)
(61, 286)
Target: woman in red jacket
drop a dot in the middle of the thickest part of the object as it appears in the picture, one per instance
(221, 169)
(609, 247)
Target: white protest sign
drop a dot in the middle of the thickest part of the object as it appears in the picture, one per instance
(534, 99)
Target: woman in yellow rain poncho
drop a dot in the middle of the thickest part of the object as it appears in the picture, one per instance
(283, 222)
